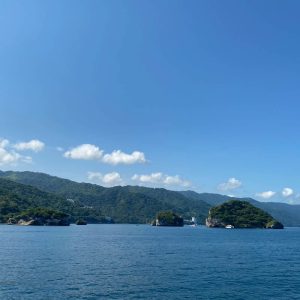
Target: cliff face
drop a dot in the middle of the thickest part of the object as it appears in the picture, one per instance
(214, 222)
(240, 214)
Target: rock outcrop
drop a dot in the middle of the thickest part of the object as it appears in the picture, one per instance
(81, 222)
(214, 222)
(40, 217)
(168, 218)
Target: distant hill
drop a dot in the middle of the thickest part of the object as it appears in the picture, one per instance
(136, 204)
(128, 204)
(209, 198)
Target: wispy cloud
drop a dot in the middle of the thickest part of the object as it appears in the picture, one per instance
(161, 179)
(230, 184)
(109, 179)
(8, 156)
(287, 192)
(266, 194)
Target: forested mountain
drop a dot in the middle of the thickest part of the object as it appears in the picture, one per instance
(131, 204)
(128, 204)
(209, 198)
(16, 197)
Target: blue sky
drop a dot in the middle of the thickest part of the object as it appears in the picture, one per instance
(206, 93)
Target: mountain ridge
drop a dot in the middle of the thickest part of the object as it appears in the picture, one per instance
(138, 204)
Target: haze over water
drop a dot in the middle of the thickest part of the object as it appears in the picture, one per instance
(144, 262)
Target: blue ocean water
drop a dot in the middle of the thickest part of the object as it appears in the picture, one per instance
(144, 262)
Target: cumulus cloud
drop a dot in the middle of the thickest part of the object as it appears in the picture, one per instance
(92, 152)
(85, 152)
(9, 156)
(109, 179)
(266, 195)
(150, 178)
(230, 184)
(33, 145)
(287, 192)
(176, 180)
(4, 143)
(112, 178)
(119, 157)
(161, 179)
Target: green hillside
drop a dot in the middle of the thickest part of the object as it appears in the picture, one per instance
(135, 204)
(126, 204)
(16, 197)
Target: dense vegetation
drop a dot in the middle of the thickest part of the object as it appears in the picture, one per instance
(42, 212)
(127, 204)
(16, 197)
(40, 216)
(240, 214)
(168, 218)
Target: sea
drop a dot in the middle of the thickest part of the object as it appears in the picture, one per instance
(144, 262)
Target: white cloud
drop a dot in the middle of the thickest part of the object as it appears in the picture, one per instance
(33, 145)
(112, 178)
(9, 156)
(92, 152)
(109, 179)
(230, 184)
(84, 151)
(266, 195)
(286, 192)
(94, 176)
(176, 180)
(4, 143)
(161, 179)
(119, 157)
(151, 178)
(60, 149)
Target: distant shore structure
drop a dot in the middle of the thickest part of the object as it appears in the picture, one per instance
(191, 222)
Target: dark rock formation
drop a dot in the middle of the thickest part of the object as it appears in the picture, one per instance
(168, 218)
(81, 222)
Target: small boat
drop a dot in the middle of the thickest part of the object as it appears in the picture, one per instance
(229, 226)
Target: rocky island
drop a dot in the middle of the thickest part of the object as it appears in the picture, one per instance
(40, 217)
(240, 214)
(168, 218)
